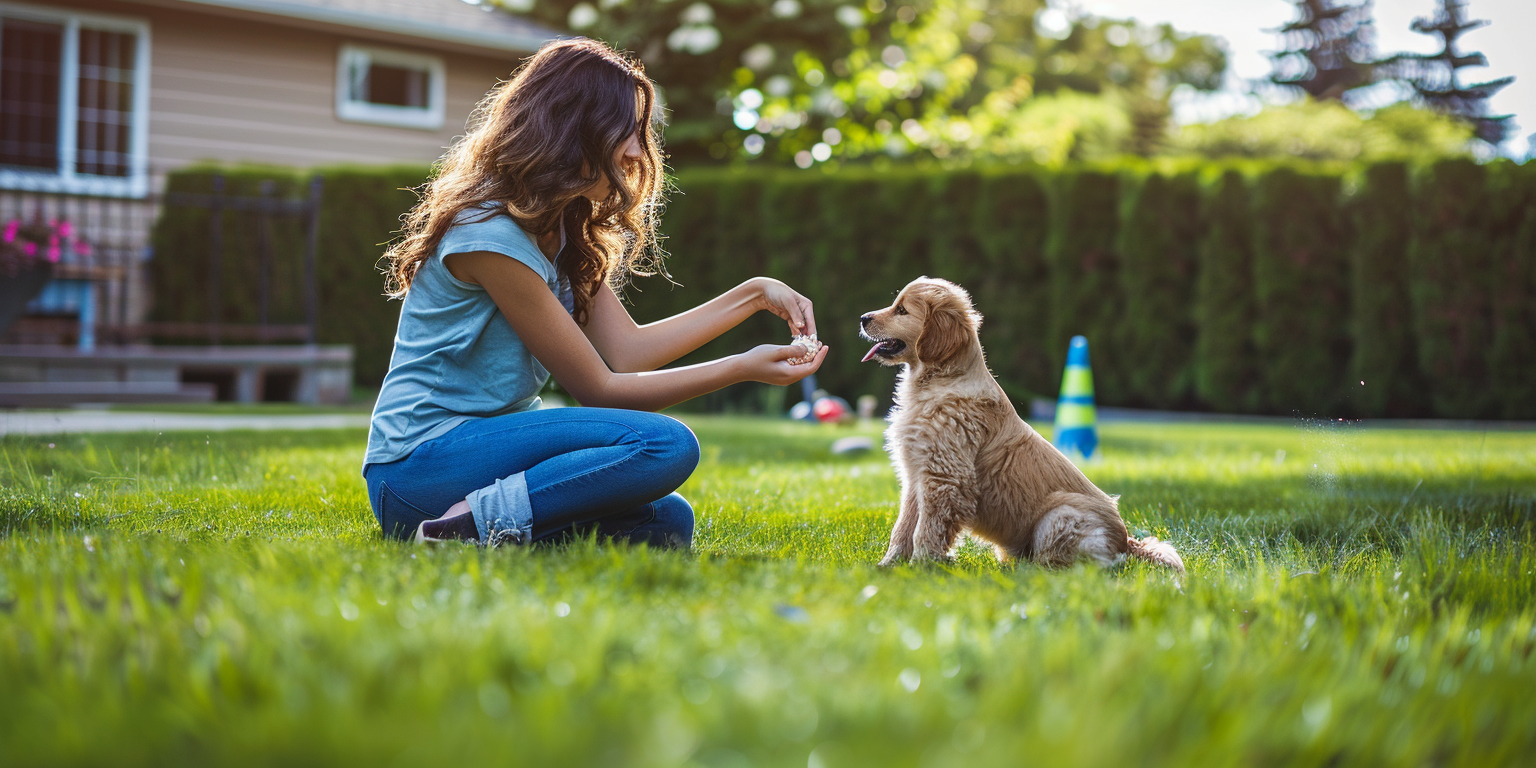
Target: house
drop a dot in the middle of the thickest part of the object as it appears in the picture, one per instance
(100, 99)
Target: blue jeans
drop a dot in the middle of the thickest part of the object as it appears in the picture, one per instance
(547, 475)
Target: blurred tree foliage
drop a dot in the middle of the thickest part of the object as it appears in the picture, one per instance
(1315, 130)
(694, 50)
(818, 80)
(1328, 50)
(1436, 77)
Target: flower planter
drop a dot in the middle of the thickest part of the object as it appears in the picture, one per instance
(19, 288)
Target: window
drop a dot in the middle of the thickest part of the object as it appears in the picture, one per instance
(29, 93)
(384, 87)
(73, 102)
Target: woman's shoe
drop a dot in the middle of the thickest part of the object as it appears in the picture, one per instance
(459, 527)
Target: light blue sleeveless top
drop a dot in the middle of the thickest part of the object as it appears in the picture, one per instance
(456, 358)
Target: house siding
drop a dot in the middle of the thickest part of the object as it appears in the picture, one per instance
(240, 91)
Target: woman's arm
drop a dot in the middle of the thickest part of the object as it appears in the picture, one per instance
(554, 338)
(629, 347)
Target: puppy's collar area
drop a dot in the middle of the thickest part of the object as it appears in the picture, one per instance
(970, 363)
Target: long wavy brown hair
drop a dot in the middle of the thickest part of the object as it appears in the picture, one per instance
(534, 144)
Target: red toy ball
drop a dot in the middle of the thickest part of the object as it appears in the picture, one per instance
(829, 409)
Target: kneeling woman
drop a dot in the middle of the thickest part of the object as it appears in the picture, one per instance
(507, 269)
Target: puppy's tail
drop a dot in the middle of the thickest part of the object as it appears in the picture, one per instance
(1157, 552)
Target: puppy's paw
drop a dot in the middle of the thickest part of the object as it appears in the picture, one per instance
(931, 558)
(892, 558)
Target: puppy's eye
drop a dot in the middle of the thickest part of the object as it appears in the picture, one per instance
(900, 310)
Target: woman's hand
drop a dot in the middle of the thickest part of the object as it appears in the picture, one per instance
(780, 299)
(769, 364)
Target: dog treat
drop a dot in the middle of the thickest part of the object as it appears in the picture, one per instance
(811, 346)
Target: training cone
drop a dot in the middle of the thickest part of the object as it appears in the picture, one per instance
(1075, 416)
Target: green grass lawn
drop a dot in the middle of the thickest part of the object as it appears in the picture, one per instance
(1355, 597)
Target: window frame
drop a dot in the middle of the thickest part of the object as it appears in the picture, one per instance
(65, 179)
(429, 118)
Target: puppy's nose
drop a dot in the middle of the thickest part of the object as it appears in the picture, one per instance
(865, 318)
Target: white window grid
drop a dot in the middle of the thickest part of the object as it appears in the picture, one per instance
(352, 65)
(66, 179)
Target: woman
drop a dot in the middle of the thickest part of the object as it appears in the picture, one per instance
(508, 267)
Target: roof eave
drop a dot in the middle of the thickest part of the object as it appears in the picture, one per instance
(278, 11)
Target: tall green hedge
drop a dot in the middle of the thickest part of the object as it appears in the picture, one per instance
(360, 214)
(1160, 230)
(703, 225)
(1301, 291)
(182, 269)
(1451, 260)
(1227, 370)
(1011, 223)
(1384, 369)
(1238, 289)
(1512, 365)
(1085, 281)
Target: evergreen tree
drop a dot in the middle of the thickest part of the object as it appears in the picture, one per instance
(1436, 76)
(1329, 49)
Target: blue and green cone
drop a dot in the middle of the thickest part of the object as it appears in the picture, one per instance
(1075, 416)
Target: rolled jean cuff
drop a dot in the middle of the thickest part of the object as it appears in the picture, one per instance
(503, 514)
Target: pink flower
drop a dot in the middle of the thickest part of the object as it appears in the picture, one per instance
(29, 248)
(65, 229)
(53, 252)
(82, 247)
(10, 230)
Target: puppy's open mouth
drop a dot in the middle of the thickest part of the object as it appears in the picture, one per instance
(884, 348)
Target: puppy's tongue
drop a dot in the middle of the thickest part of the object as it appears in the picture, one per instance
(872, 351)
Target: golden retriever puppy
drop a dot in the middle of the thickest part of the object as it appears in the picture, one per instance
(965, 459)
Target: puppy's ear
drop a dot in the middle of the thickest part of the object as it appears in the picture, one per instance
(947, 332)
(963, 297)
